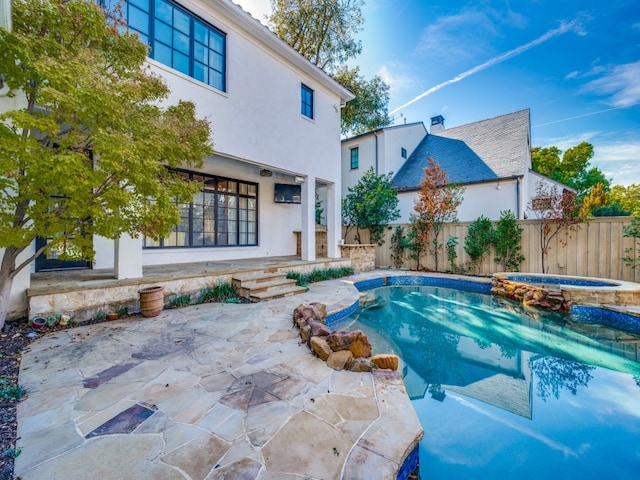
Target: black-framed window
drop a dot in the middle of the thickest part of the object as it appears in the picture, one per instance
(307, 101)
(355, 158)
(403, 152)
(180, 40)
(224, 213)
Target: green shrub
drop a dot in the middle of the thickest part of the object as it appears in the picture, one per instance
(10, 392)
(179, 300)
(478, 240)
(452, 254)
(507, 242)
(220, 292)
(319, 275)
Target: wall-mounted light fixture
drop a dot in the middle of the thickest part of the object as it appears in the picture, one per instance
(299, 179)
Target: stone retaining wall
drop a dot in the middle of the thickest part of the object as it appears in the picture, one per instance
(363, 256)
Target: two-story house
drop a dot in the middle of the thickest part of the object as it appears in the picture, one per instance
(490, 158)
(275, 121)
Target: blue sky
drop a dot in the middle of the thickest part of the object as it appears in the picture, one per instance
(575, 64)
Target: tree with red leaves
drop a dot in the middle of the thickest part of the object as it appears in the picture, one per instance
(437, 202)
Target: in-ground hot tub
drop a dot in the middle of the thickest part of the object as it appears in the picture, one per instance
(552, 290)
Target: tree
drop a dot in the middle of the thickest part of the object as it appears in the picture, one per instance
(507, 242)
(628, 198)
(436, 204)
(596, 197)
(557, 213)
(368, 110)
(88, 155)
(324, 32)
(371, 203)
(477, 243)
(573, 170)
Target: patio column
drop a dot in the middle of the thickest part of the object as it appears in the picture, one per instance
(5, 14)
(128, 257)
(309, 219)
(334, 221)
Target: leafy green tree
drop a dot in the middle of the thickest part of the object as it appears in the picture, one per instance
(371, 203)
(628, 198)
(478, 241)
(573, 170)
(507, 242)
(368, 110)
(324, 32)
(88, 153)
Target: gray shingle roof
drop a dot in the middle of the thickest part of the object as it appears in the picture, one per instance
(486, 150)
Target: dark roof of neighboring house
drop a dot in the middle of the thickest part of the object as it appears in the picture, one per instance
(481, 151)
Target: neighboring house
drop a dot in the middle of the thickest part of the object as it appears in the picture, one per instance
(275, 120)
(490, 158)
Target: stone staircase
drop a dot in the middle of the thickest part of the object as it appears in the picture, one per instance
(265, 285)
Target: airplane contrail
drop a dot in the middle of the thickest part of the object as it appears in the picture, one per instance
(578, 116)
(563, 28)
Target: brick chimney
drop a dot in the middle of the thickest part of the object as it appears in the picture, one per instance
(437, 124)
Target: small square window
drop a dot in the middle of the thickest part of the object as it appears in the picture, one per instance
(403, 152)
(355, 158)
(307, 101)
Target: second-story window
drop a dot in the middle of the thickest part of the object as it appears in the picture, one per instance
(355, 160)
(307, 101)
(180, 40)
(403, 152)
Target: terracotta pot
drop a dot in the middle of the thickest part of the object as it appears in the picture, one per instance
(38, 323)
(113, 316)
(151, 300)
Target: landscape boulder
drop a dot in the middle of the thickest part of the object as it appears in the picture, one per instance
(320, 347)
(356, 342)
(340, 360)
(385, 361)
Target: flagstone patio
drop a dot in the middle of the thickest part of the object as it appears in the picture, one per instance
(214, 391)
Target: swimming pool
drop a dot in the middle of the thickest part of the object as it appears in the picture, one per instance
(502, 391)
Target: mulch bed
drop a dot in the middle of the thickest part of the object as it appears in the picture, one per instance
(13, 341)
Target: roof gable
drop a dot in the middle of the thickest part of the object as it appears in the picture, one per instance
(481, 151)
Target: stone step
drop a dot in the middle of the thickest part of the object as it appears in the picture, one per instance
(277, 293)
(255, 278)
(265, 286)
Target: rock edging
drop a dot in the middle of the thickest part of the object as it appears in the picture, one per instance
(341, 349)
(530, 295)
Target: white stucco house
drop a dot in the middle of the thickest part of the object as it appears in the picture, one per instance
(490, 158)
(275, 121)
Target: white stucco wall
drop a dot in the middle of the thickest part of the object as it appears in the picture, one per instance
(366, 145)
(389, 159)
(396, 138)
(256, 124)
(5, 14)
(478, 199)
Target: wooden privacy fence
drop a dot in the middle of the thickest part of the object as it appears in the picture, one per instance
(594, 250)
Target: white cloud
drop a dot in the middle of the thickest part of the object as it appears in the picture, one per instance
(464, 35)
(620, 84)
(393, 76)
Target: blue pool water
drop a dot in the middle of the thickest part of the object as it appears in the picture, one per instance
(504, 392)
